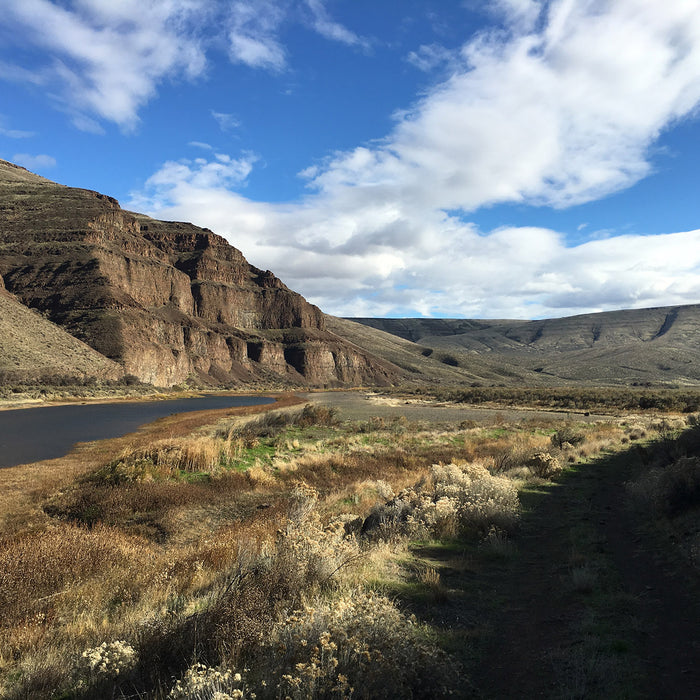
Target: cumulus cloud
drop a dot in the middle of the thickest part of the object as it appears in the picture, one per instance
(395, 259)
(175, 180)
(560, 109)
(107, 58)
(38, 162)
(557, 117)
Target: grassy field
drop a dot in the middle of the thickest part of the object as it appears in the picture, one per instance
(297, 553)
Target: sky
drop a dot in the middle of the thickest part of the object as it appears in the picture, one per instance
(437, 158)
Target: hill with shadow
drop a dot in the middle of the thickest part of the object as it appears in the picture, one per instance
(636, 346)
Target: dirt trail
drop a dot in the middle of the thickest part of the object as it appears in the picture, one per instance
(588, 606)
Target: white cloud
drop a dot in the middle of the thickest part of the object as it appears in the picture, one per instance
(107, 58)
(393, 258)
(38, 162)
(13, 133)
(557, 115)
(255, 26)
(253, 34)
(330, 29)
(103, 61)
(177, 179)
(19, 74)
(519, 14)
(428, 57)
(226, 121)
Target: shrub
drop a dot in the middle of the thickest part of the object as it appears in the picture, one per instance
(566, 438)
(544, 465)
(203, 683)
(672, 490)
(165, 458)
(108, 660)
(272, 423)
(450, 360)
(460, 499)
(357, 645)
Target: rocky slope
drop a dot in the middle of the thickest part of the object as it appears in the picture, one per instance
(164, 300)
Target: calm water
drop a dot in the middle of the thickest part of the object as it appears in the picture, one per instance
(32, 434)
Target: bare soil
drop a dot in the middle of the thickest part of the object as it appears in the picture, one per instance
(362, 405)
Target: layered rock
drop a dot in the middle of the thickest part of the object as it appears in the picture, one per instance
(165, 300)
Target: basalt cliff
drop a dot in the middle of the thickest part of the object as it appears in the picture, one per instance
(165, 301)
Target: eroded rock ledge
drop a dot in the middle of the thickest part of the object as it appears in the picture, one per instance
(165, 300)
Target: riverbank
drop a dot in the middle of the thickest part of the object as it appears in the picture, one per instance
(50, 431)
(22, 487)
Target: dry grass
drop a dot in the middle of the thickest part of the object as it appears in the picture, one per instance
(195, 548)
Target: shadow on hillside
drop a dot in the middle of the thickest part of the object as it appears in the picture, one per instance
(590, 601)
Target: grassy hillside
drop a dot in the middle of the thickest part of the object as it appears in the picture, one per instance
(433, 364)
(643, 346)
(34, 349)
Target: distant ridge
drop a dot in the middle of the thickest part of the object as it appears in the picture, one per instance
(657, 345)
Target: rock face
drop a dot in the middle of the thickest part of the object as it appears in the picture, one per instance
(164, 300)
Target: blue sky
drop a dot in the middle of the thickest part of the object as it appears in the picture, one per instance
(508, 159)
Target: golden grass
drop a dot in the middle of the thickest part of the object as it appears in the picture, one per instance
(209, 570)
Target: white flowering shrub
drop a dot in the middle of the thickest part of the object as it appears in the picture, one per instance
(544, 465)
(358, 645)
(482, 499)
(108, 660)
(459, 498)
(201, 682)
(310, 549)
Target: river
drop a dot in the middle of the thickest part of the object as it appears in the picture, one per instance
(32, 434)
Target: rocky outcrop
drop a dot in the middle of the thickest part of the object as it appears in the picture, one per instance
(165, 300)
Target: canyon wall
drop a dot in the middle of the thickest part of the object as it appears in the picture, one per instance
(167, 301)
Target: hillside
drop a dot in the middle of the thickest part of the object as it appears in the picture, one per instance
(657, 345)
(166, 301)
(431, 365)
(32, 348)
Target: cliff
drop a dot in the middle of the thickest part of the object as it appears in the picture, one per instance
(164, 300)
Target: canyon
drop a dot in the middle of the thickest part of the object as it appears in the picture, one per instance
(164, 302)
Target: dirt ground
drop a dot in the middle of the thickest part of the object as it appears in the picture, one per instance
(362, 405)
